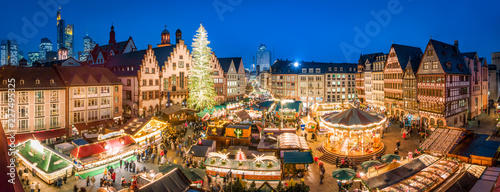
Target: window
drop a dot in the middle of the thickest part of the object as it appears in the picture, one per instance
(165, 84)
(341, 69)
(156, 82)
(54, 109)
(21, 82)
(426, 65)
(116, 89)
(78, 91)
(78, 117)
(92, 115)
(105, 113)
(39, 124)
(153, 70)
(304, 70)
(37, 82)
(51, 81)
(23, 97)
(180, 57)
(116, 109)
(311, 70)
(54, 122)
(335, 69)
(434, 65)
(23, 125)
(4, 111)
(39, 110)
(92, 91)
(147, 69)
(4, 98)
(318, 70)
(129, 82)
(117, 99)
(150, 82)
(79, 103)
(144, 82)
(23, 111)
(181, 64)
(104, 90)
(92, 102)
(39, 97)
(54, 96)
(105, 101)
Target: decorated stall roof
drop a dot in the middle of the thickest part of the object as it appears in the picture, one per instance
(298, 157)
(240, 131)
(292, 141)
(41, 157)
(100, 147)
(487, 149)
(266, 104)
(174, 180)
(40, 135)
(468, 145)
(352, 116)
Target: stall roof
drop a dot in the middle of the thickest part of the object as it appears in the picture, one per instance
(96, 148)
(296, 105)
(487, 149)
(298, 157)
(94, 125)
(45, 160)
(40, 135)
(205, 142)
(242, 114)
(396, 175)
(173, 181)
(65, 146)
(198, 151)
(176, 109)
(482, 185)
(79, 142)
(469, 145)
(266, 104)
(239, 126)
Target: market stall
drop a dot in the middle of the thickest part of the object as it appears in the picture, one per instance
(353, 132)
(295, 162)
(290, 110)
(259, 167)
(442, 140)
(102, 152)
(320, 109)
(427, 179)
(48, 164)
(309, 123)
(145, 131)
(64, 148)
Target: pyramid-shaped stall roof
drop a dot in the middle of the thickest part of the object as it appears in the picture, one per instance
(352, 117)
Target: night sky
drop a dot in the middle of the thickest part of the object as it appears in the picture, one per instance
(303, 30)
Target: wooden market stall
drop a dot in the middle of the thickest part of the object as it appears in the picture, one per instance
(295, 162)
(258, 167)
(49, 165)
(145, 131)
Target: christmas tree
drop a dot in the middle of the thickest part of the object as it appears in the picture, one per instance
(201, 84)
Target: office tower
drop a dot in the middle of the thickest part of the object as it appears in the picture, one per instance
(32, 57)
(45, 45)
(9, 52)
(263, 58)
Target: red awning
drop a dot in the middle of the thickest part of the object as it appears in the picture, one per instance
(87, 150)
(95, 124)
(96, 148)
(40, 135)
(117, 143)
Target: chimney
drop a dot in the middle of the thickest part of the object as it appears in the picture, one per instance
(456, 44)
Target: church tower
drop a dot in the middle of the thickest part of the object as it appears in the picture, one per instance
(165, 38)
(112, 39)
(178, 36)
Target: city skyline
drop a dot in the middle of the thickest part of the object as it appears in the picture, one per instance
(288, 34)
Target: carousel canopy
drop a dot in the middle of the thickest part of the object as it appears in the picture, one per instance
(352, 116)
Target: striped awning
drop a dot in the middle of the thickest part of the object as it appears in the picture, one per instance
(352, 116)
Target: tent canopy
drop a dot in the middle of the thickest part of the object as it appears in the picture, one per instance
(352, 116)
(176, 109)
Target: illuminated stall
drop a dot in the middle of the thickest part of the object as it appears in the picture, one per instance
(260, 167)
(108, 149)
(326, 108)
(48, 164)
(353, 132)
(146, 132)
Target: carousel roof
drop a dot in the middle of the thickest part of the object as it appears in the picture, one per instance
(352, 116)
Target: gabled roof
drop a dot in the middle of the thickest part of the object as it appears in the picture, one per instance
(483, 62)
(225, 63)
(414, 63)
(371, 57)
(85, 76)
(117, 48)
(404, 53)
(471, 55)
(135, 59)
(450, 54)
(29, 75)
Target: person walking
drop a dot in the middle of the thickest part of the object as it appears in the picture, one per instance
(113, 176)
(321, 177)
(33, 186)
(75, 188)
(37, 187)
(92, 180)
(88, 180)
(121, 162)
(65, 178)
(398, 144)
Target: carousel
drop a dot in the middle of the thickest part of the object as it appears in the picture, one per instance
(353, 132)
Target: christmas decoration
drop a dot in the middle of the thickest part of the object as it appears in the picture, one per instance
(201, 84)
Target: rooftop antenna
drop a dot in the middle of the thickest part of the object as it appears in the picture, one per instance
(431, 37)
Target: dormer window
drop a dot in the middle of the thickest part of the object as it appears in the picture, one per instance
(448, 65)
(5, 82)
(21, 82)
(341, 69)
(52, 81)
(37, 82)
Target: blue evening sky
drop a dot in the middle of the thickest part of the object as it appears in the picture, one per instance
(304, 30)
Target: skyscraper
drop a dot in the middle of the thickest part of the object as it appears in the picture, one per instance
(263, 58)
(65, 37)
(88, 45)
(9, 52)
(32, 57)
(45, 45)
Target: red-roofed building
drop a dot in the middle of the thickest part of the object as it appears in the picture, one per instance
(101, 54)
